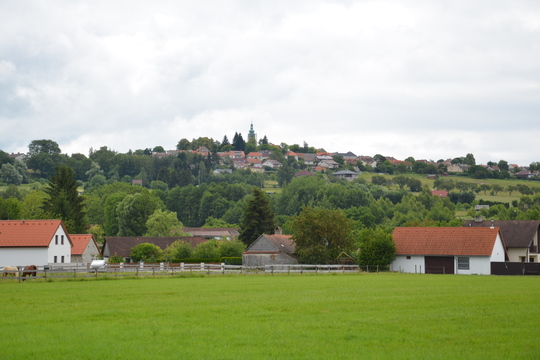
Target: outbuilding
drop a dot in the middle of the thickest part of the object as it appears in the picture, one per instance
(270, 250)
(447, 250)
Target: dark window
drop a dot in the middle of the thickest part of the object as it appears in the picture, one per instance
(463, 263)
(55, 259)
(62, 259)
(56, 239)
(408, 258)
(62, 240)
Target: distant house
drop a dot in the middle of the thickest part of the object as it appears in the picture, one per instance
(346, 174)
(432, 176)
(121, 246)
(520, 237)
(34, 242)
(136, 182)
(303, 173)
(274, 164)
(17, 156)
(439, 193)
(524, 174)
(447, 250)
(85, 248)
(270, 250)
(223, 171)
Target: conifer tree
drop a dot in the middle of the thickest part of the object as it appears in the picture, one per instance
(64, 200)
(258, 218)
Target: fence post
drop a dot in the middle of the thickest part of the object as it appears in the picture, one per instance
(223, 268)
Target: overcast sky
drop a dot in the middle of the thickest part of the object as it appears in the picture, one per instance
(422, 78)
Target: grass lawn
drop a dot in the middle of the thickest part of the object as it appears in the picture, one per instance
(386, 316)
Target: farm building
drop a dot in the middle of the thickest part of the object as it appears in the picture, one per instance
(85, 248)
(447, 250)
(121, 246)
(212, 233)
(34, 242)
(520, 237)
(270, 250)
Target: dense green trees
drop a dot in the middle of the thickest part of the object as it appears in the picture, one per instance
(134, 211)
(164, 223)
(376, 249)
(146, 252)
(321, 235)
(258, 218)
(64, 200)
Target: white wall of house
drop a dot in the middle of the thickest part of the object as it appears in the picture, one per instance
(59, 251)
(478, 265)
(23, 256)
(90, 253)
(413, 265)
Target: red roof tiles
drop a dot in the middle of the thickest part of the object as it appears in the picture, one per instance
(29, 233)
(445, 241)
(80, 243)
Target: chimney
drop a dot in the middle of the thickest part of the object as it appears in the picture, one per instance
(492, 224)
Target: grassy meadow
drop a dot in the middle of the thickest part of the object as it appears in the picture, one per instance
(344, 316)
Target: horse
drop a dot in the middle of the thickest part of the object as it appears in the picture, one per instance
(29, 270)
(10, 271)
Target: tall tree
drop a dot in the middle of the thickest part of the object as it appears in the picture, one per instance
(258, 218)
(321, 235)
(64, 200)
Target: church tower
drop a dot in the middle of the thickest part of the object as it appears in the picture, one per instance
(252, 135)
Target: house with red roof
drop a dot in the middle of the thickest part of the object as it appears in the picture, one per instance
(85, 248)
(448, 250)
(34, 242)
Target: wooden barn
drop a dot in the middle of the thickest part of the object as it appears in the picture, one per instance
(270, 250)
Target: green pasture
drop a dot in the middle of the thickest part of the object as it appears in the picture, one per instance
(345, 316)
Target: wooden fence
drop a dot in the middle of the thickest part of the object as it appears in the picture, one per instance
(66, 271)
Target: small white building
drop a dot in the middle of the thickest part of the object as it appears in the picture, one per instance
(34, 242)
(447, 250)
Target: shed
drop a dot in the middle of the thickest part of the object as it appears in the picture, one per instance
(270, 250)
(85, 248)
(447, 250)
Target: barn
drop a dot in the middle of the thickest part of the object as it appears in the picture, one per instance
(270, 250)
(34, 242)
(447, 250)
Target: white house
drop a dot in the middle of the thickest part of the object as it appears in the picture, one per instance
(447, 250)
(34, 242)
(85, 248)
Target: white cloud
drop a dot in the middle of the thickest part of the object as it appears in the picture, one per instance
(400, 78)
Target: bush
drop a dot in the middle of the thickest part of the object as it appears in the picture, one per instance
(233, 248)
(146, 252)
(207, 250)
(178, 250)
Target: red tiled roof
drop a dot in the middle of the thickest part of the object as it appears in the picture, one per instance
(80, 243)
(29, 233)
(439, 193)
(445, 241)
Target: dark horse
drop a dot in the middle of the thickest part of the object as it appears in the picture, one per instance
(30, 270)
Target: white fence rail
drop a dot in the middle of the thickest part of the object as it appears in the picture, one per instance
(167, 269)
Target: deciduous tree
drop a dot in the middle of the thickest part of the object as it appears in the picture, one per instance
(321, 234)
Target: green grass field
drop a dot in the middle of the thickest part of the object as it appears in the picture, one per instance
(358, 316)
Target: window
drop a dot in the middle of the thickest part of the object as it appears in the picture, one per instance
(55, 239)
(531, 259)
(408, 258)
(463, 263)
(62, 240)
(62, 259)
(55, 259)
